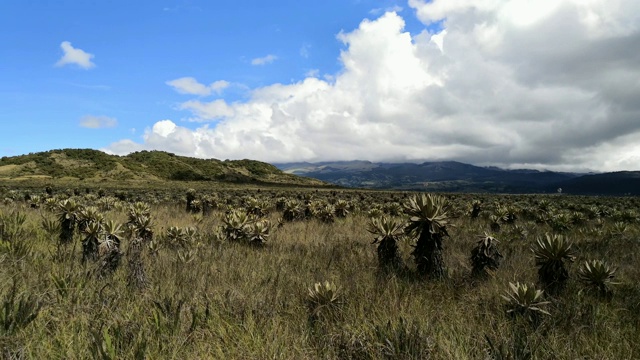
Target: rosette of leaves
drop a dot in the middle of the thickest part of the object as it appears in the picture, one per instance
(499, 217)
(313, 208)
(138, 209)
(551, 252)
(258, 232)
(342, 208)
(35, 201)
(393, 209)
(234, 225)
(526, 301)
(109, 247)
(196, 206)
(91, 241)
(485, 257)
(280, 202)
(293, 210)
(476, 208)
(511, 214)
(324, 301)
(142, 228)
(174, 237)
(578, 218)
(593, 212)
(51, 227)
(51, 204)
(181, 238)
(375, 212)
(256, 207)
(113, 233)
(617, 230)
(68, 218)
(560, 222)
(326, 213)
(208, 204)
(387, 232)
(87, 215)
(107, 203)
(597, 277)
(139, 221)
(191, 197)
(428, 221)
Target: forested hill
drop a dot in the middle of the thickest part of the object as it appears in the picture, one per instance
(94, 165)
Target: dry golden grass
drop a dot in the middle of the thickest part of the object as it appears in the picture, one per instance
(234, 301)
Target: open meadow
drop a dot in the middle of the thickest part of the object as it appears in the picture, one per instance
(277, 273)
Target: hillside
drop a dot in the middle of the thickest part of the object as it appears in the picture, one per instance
(92, 165)
(613, 183)
(452, 176)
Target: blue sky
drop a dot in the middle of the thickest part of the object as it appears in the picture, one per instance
(140, 45)
(512, 83)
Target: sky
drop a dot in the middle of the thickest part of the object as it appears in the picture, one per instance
(545, 84)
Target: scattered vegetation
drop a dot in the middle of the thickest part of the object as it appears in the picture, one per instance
(485, 257)
(388, 232)
(290, 273)
(428, 221)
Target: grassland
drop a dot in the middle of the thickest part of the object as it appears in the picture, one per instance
(210, 298)
(95, 167)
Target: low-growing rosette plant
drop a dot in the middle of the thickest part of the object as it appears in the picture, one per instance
(597, 277)
(525, 301)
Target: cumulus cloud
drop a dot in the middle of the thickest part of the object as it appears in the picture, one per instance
(264, 60)
(164, 135)
(514, 83)
(98, 122)
(191, 86)
(75, 56)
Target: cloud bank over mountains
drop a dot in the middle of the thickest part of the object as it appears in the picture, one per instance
(544, 84)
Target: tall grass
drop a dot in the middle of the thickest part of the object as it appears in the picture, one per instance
(236, 301)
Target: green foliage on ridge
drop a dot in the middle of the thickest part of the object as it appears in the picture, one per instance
(88, 164)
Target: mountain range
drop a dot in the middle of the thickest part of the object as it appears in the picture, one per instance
(453, 176)
(88, 166)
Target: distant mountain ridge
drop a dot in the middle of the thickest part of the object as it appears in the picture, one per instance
(94, 165)
(455, 176)
(444, 176)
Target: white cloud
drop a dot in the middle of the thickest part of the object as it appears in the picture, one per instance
(264, 60)
(191, 86)
(75, 56)
(219, 85)
(206, 111)
(312, 73)
(379, 11)
(98, 122)
(554, 86)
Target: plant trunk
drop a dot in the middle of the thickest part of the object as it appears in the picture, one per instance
(553, 276)
(89, 249)
(388, 257)
(137, 274)
(428, 256)
(67, 228)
